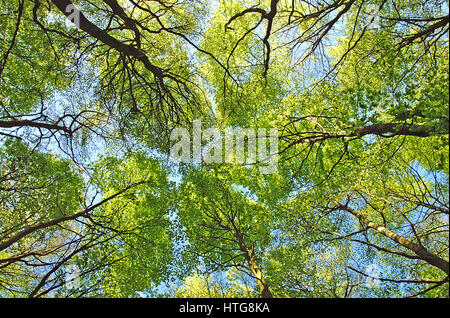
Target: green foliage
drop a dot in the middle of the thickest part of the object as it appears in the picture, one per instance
(142, 216)
(362, 181)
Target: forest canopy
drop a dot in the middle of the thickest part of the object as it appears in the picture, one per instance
(349, 97)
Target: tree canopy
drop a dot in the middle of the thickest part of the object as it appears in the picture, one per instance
(92, 204)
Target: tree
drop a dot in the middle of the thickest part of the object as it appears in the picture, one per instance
(48, 224)
(209, 286)
(233, 229)
(90, 92)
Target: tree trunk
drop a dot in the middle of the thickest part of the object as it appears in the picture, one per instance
(419, 250)
(254, 268)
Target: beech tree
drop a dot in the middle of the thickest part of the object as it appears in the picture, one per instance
(92, 205)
